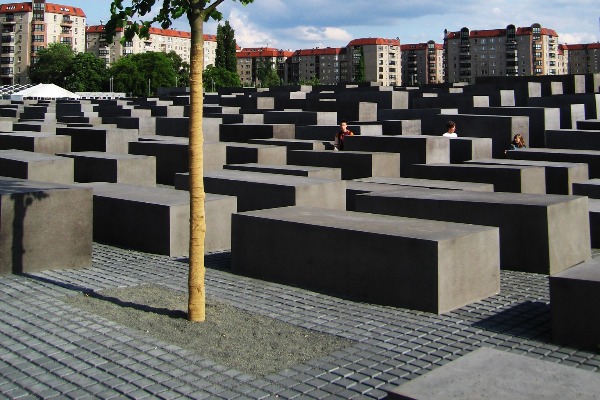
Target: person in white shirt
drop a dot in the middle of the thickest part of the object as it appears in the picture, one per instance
(451, 130)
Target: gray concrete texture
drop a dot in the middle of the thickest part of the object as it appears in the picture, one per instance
(35, 141)
(36, 166)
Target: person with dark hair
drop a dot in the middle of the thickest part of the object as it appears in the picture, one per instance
(450, 130)
(338, 144)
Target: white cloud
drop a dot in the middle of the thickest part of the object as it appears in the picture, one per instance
(248, 34)
(312, 35)
(577, 37)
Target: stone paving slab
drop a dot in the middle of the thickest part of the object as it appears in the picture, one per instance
(51, 350)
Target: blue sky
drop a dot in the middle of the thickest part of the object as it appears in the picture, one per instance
(295, 24)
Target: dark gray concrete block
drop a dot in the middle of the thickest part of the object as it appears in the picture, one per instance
(37, 142)
(591, 124)
(432, 184)
(92, 166)
(44, 226)
(301, 118)
(489, 374)
(354, 164)
(417, 149)
(424, 265)
(425, 115)
(291, 144)
(327, 132)
(385, 99)
(298, 170)
(255, 153)
(110, 140)
(539, 234)
(575, 139)
(465, 148)
(256, 191)
(505, 178)
(575, 300)
(36, 166)
(243, 133)
(560, 176)
(589, 157)
(589, 188)
(401, 127)
(594, 207)
(358, 187)
(463, 102)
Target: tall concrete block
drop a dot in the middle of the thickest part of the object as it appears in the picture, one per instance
(417, 149)
(44, 226)
(464, 149)
(574, 300)
(553, 229)
(416, 264)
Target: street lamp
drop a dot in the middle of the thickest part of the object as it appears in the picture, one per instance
(111, 81)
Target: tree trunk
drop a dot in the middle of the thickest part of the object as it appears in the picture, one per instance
(197, 298)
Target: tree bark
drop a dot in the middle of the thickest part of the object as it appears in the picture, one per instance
(197, 297)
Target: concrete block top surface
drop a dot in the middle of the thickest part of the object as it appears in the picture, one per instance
(345, 152)
(15, 185)
(270, 179)
(28, 156)
(481, 166)
(31, 134)
(102, 155)
(594, 205)
(141, 194)
(494, 374)
(372, 223)
(479, 197)
(586, 271)
(532, 163)
(279, 167)
(559, 151)
(431, 183)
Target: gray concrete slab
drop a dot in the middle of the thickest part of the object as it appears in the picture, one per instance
(298, 170)
(560, 176)
(44, 226)
(301, 117)
(354, 164)
(594, 207)
(589, 157)
(111, 140)
(244, 132)
(465, 148)
(554, 229)
(576, 139)
(36, 166)
(256, 190)
(589, 124)
(505, 178)
(575, 299)
(589, 188)
(429, 266)
(432, 184)
(93, 166)
(156, 220)
(492, 374)
(35, 141)
(241, 153)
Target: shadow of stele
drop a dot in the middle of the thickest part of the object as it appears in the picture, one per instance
(21, 202)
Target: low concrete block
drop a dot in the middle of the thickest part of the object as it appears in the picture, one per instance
(298, 170)
(301, 118)
(553, 229)
(110, 140)
(354, 164)
(464, 149)
(559, 176)
(589, 157)
(591, 124)
(257, 191)
(36, 166)
(576, 139)
(489, 374)
(291, 144)
(37, 142)
(255, 153)
(594, 207)
(44, 226)
(589, 188)
(505, 178)
(423, 265)
(92, 166)
(156, 220)
(432, 184)
(575, 300)
(243, 133)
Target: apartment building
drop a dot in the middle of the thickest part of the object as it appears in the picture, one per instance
(422, 63)
(249, 60)
(382, 60)
(581, 58)
(324, 64)
(511, 51)
(160, 40)
(29, 27)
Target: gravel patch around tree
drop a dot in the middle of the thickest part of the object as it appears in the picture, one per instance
(240, 340)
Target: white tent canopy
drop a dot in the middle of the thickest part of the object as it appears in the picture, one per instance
(46, 91)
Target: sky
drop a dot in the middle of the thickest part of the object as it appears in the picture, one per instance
(305, 24)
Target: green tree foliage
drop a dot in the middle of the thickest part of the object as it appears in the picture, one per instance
(359, 75)
(215, 78)
(197, 11)
(181, 68)
(266, 74)
(226, 48)
(133, 73)
(52, 64)
(86, 73)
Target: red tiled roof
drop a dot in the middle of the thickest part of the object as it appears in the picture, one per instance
(582, 46)
(528, 31)
(368, 41)
(15, 7)
(487, 33)
(500, 32)
(318, 52)
(66, 10)
(419, 46)
(263, 52)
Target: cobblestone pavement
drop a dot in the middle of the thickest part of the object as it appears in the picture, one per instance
(49, 349)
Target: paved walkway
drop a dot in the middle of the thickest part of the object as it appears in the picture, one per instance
(49, 349)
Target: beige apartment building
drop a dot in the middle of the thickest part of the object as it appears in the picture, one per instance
(581, 58)
(511, 51)
(382, 60)
(249, 60)
(422, 63)
(160, 40)
(29, 27)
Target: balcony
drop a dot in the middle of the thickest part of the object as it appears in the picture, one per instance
(9, 21)
(10, 29)
(6, 72)
(66, 22)
(8, 39)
